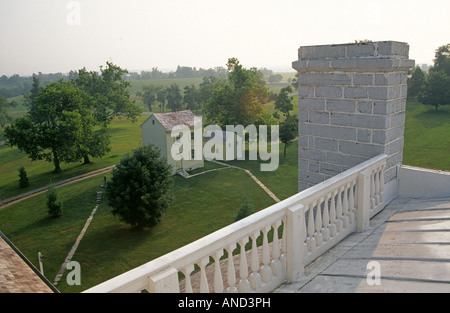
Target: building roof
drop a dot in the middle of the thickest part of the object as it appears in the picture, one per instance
(174, 119)
(17, 274)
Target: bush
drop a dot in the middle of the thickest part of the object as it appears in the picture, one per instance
(140, 189)
(23, 181)
(54, 206)
(245, 209)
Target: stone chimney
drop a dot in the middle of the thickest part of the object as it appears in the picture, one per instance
(352, 100)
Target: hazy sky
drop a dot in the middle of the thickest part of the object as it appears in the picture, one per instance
(57, 35)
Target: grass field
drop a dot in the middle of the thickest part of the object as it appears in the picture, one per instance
(427, 136)
(203, 204)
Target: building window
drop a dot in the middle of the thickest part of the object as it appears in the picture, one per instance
(192, 154)
(153, 122)
(192, 136)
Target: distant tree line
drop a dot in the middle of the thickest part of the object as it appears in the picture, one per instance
(432, 88)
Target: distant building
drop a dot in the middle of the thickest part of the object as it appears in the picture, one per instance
(157, 131)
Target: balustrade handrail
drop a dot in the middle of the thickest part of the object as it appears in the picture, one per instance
(137, 279)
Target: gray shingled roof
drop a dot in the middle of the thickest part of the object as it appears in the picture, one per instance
(173, 119)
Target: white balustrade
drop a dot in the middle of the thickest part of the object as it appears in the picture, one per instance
(310, 223)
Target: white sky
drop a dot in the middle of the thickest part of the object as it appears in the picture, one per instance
(35, 35)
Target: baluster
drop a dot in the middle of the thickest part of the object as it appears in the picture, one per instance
(255, 277)
(326, 219)
(333, 221)
(318, 224)
(377, 186)
(310, 240)
(187, 276)
(276, 264)
(244, 284)
(204, 288)
(266, 271)
(339, 222)
(382, 183)
(283, 245)
(345, 218)
(372, 190)
(351, 202)
(218, 281)
(231, 273)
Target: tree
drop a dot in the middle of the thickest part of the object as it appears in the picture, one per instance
(161, 97)
(442, 60)
(149, 95)
(436, 90)
(245, 209)
(416, 82)
(288, 131)
(34, 92)
(283, 102)
(5, 117)
(55, 207)
(174, 97)
(109, 91)
(240, 101)
(107, 97)
(23, 178)
(275, 78)
(53, 129)
(191, 97)
(140, 190)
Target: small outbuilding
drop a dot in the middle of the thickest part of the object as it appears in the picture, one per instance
(157, 130)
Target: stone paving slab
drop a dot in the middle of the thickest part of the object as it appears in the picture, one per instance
(409, 241)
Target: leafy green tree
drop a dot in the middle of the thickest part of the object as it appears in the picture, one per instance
(5, 117)
(174, 97)
(288, 131)
(436, 90)
(55, 207)
(240, 100)
(191, 97)
(109, 92)
(34, 92)
(140, 190)
(149, 95)
(283, 102)
(161, 97)
(442, 60)
(23, 178)
(246, 209)
(53, 129)
(107, 97)
(416, 82)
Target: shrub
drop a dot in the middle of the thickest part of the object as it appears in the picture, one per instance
(23, 181)
(140, 189)
(54, 206)
(245, 209)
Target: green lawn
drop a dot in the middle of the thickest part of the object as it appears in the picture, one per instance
(203, 204)
(427, 136)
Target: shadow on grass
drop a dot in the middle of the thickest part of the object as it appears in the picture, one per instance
(432, 118)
